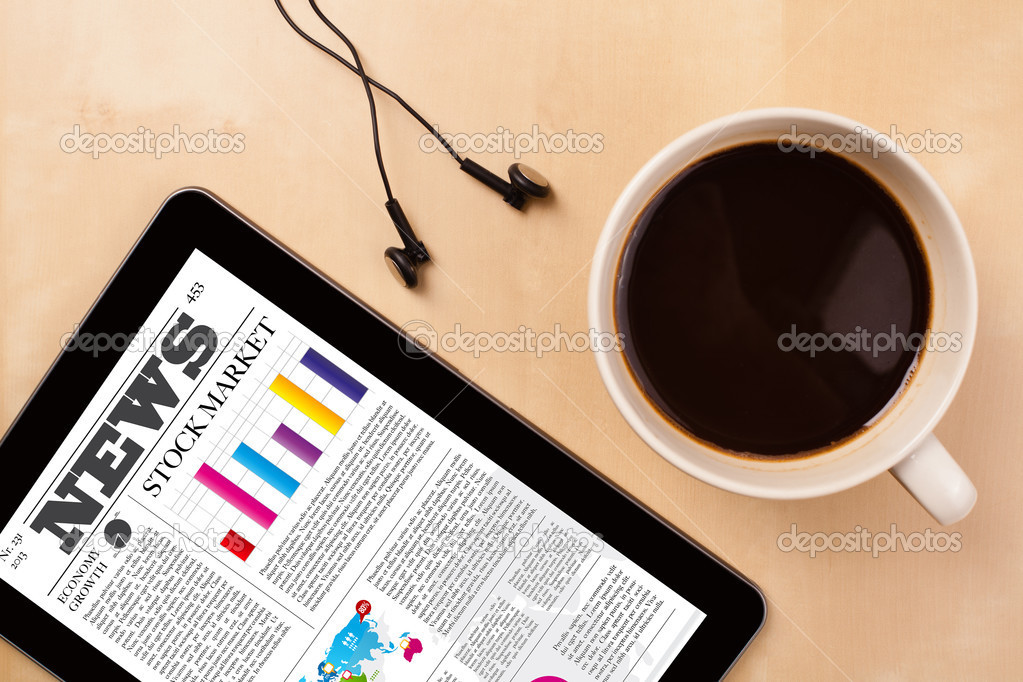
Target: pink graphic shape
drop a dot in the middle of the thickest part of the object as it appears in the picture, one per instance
(235, 496)
(416, 647)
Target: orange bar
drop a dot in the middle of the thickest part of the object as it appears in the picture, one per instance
(306, 404)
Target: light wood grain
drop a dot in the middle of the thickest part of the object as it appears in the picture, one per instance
(640, 74)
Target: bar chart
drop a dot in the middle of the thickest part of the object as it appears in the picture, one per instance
(279, 431)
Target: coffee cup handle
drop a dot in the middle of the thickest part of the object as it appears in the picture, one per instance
(936, 481)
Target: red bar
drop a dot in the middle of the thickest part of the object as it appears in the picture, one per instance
(237, 545)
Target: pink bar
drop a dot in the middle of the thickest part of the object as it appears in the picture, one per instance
(235, 496)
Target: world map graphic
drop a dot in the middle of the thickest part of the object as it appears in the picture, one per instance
(353, 651)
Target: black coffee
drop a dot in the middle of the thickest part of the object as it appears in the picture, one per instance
(772, 303)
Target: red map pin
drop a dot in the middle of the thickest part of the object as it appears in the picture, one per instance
(363, 608)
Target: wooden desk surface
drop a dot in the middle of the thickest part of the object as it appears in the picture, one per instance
(638, 75)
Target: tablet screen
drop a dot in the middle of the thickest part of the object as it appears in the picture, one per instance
(241, 501)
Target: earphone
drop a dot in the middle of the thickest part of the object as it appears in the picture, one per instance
(403, 261)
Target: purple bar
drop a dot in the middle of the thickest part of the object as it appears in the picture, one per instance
(334, 375)
(235, 496)
(297, 445)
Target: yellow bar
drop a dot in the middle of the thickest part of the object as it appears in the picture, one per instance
(306, 404)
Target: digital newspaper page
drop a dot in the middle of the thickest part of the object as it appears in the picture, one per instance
(242, 502)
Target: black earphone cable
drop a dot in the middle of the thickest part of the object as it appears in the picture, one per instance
(369, 95)
(352, 67)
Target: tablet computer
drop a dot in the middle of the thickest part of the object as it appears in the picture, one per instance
(235, 470)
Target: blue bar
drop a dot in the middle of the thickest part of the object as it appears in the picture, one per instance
(265, 469)
(333, 375)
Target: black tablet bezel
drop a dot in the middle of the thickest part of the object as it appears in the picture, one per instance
(195, 219)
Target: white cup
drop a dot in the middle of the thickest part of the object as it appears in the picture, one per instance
(901, 440)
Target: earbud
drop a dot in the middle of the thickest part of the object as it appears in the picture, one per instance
(522, 182)
(402, 267)
(404, 261)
